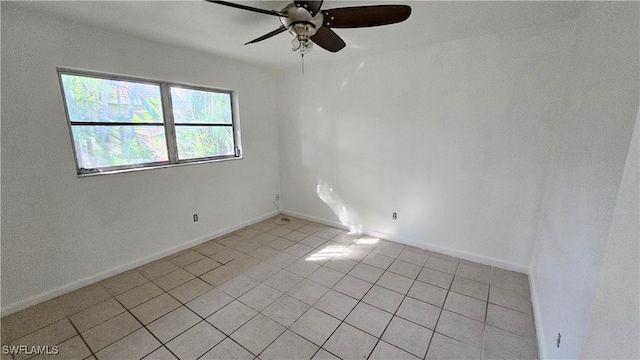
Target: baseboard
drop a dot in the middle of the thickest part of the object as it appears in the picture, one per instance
(61, 290)
(434, 248)
(535, 304)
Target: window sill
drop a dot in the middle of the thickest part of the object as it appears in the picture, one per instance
(154, 167)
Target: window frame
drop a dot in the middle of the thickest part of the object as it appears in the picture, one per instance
(167, 124)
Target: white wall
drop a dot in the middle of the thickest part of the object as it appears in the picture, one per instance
(614, 324)
(60, 231)
(454, 137)
(580, 196)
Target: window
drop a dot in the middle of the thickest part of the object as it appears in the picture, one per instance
(122, 123)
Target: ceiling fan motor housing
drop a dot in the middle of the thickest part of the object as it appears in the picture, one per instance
(300, 22)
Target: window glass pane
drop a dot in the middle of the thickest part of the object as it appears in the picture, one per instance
(92, 99)
(200, 107)
(204, 141)
(102, 146)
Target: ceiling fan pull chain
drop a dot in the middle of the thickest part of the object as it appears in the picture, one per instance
(302, 56)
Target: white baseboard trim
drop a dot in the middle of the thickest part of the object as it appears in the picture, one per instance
(434, 248)
(537, 321)
(75, 285)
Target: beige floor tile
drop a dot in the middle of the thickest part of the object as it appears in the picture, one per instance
(263, 252)
(386, 351)
(389, 249)
(369, 319)
(308, 291)
(395, 282)
(326, 276)
(511, 320)
(173, 279)
(257, 333)
(83, 298)
(444, 348)
(157, 268)
(110, 331)
(281, 243)
(323, 354)
(96, 314)
(282, 260)
(342, 341)
(442, 265)
(302, 267)
(342, 264)
(315, 326)
(285, 310)
(249, 233)
(133, 346)
(225, 255)
(228, 350)
(477, 272)
(262, 271)
(298, 250)
(265, 238)
(283, 281)
(289, 346)
(500, 344)
(219, 275)
(238, 285)
(49, 335)
(419, 312)
(118, 284)
(353, 287)
(280, 231)
(243, 263)
(336, 304)
(231, 317)
(260, 297)
(377, 260)
(73, 348)
(190, 290)
(428, 293)
(160, 354)
(155, 308)
(313, 241)
(139, 295)
(510, 299)
(466, 305)
(516, 282)
(196, 341)
(202, 266)
(384, 299)
(209, 302)
(31, 319)
(366, 272)
(173, 324)
(471, 288)
(187, 258)
(405, 269)
(460, 327)
(209, 248)
(295, 235)
(408, 336)
(328, 233)
(435, 277)
(413, 257)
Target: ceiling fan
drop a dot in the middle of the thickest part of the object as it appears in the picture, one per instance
(309, 24)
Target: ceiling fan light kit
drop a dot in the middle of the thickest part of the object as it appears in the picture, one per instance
(309, 25)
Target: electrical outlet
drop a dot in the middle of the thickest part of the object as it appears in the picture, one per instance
(195, 217)
(395, 216)
(558, 342)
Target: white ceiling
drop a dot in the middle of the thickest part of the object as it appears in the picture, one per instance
(222, 30)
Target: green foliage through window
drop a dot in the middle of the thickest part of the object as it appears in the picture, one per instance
(120, 123)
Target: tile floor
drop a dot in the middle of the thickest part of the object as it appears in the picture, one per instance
(295, 291)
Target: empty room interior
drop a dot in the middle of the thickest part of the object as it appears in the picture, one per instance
(459, 181)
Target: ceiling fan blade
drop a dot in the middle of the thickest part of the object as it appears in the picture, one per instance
(266, 36)
(249, 8)
(365, 16)
(328, 40)
(312, 6)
